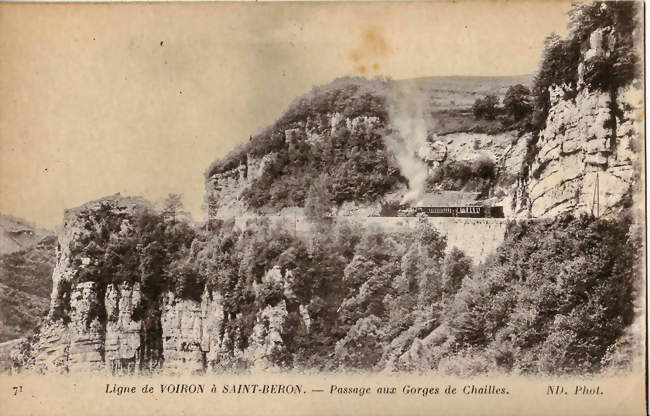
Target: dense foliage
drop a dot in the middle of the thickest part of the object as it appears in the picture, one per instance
(314, 141)
(478, 175)
(25, 287)
(558, 297)
(517, 103)
(562, 57)
(486, 107)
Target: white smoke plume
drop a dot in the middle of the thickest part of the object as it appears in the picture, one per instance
(409, 121)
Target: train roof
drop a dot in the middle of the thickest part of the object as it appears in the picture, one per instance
(448, 199)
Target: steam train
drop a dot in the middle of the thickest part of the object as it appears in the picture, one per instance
(466, 211)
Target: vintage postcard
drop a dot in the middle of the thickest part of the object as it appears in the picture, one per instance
(408, 208)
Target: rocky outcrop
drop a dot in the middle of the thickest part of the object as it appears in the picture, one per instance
(120, 329)
(586, 157)
(433, 154)
(224, 190)
(76, 342)
(192, 332)
(586, 154)
(86, 351)
(267, 345)
(52, 348)
(470, 146)
(122, 347)
(182, 334)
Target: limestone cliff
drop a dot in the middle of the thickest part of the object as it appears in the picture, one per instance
(586, 158)
(225, 190)
(125, 328)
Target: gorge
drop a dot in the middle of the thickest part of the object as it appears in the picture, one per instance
(296, 267)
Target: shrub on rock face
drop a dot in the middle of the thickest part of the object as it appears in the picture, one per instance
(617, 68)
(456, 175)
(362, 346)
(318, 201)
(270, 294)
(516, 102)
(484, 167)
(486, 107)
(187, 282)
(456, 267)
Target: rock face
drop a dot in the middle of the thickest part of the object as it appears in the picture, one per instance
(182, 334)
(470, 146)
(123, 328)
(89, 327)
(86, 351)
(224, 190)
(117, 329)
(586, 157)
(267, 344)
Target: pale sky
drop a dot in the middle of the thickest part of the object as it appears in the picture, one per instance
(140, 99)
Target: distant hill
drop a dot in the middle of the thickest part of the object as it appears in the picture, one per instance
(456, 93)
(17, 234)
(27, 259)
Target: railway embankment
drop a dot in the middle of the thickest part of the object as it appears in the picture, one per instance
(477, 237)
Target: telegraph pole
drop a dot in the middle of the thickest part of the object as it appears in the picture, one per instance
(595, 204)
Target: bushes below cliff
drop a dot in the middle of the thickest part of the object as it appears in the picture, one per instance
(557, 297)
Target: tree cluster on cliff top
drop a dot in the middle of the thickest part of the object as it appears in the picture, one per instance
(309, 144)
(562, 57)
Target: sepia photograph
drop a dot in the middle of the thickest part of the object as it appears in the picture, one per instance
(328, 208)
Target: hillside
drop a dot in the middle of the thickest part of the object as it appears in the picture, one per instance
(25, 287)
(558, 142)
(17, 234)
(353, 143)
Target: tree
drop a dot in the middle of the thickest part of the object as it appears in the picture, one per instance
(484, 167)
(486, 107)
(456, 267)
(362, 346)
(517, 102)
(173, 207)
(319, 199)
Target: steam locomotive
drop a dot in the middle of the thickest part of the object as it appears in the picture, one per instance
(466, 211)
